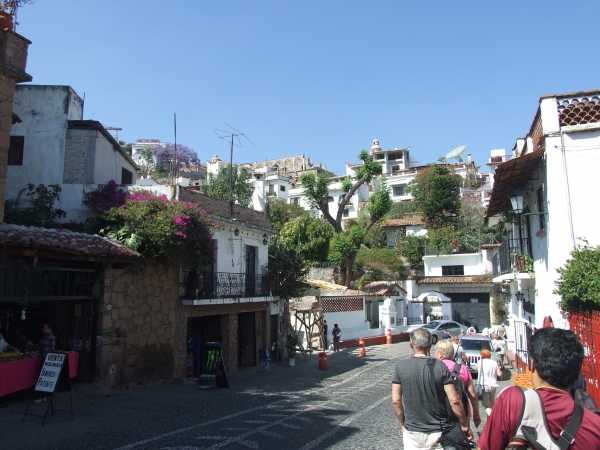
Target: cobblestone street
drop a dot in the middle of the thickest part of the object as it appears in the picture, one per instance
(347, 406)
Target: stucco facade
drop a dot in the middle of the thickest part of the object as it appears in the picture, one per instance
(61, 148)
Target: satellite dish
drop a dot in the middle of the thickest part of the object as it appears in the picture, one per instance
(455, 154)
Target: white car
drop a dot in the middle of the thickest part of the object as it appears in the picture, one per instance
(437, 328)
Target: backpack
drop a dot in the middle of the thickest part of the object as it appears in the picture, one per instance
(533, 431)
(460, 388)
(582, 397)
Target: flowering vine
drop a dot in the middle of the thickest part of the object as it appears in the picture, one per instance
(159, 228)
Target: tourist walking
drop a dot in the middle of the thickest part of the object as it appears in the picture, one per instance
(324, 334)
(444, 351)
(336, 333)
(488, 372)
(422, 389)
(500, 349)
(556, 356)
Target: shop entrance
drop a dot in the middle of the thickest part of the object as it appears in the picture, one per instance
(200, 330)
(248, 325)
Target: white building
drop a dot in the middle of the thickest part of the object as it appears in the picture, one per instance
(554, 167)
(140, 144)
(53, 145)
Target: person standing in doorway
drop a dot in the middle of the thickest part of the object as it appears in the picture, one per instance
(336, 333)
(324, 334)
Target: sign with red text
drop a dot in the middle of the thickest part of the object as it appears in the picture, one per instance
(50, 373)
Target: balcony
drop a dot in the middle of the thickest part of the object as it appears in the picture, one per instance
(225, 287)
(511, 257)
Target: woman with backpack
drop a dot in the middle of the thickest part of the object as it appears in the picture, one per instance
(488, 372)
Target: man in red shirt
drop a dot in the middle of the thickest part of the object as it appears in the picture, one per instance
(556, 356)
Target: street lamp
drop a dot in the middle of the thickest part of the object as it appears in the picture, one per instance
(265, 241)
(516, 200)
(519, 296)
(505, 295)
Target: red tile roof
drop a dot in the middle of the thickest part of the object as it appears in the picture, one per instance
(402, 222)
(380, 287)
(83, 246)
(489, 246)
(464, 279)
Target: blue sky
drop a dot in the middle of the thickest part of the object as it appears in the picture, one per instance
(319, 78)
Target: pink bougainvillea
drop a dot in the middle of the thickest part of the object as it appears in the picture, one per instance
(159, 228)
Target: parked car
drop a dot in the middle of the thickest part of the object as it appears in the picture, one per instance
(437, 328)
(472, 345)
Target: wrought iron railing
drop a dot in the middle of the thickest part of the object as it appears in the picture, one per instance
(511, 256)
(225, 285)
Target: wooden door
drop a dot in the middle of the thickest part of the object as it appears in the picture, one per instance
(247, 346)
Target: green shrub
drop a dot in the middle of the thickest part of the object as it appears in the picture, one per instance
(383, 263)
(579, 281)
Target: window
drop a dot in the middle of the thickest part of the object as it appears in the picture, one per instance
(453, 270)
(271, 190)
(540, 207)
(398, 191)
(340, 198)
(395, 168)
(395, 156)
(346, 212)
(294, 200)
(379, 156)
(126, 176)
(282, 188)
(15, 150)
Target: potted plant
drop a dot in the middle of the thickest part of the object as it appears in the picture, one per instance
(8, 10)
(291, 342)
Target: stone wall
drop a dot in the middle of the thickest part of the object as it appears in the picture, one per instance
(144, 327)
(13, 59)
(327, 274)
(137, 317)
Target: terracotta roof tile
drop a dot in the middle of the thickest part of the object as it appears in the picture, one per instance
(402, 222)
(489, 246)
(380, 287)
(63, 241)
(464, 279)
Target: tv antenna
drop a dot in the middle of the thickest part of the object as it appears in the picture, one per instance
(233, 139)
(455, 153)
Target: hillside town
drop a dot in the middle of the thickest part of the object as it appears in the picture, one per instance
(152, 265)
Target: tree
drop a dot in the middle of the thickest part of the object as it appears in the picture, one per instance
(147, 162)
(169, 161)
(219, 185)
(309, 236)
(316, 188)
(280, 213)
(412, 248)
(346, 243)
(39, 210)
(437, 193)
(286, 270)
(400, 210)
(579, 279)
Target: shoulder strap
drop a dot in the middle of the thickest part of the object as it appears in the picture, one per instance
(567, 436)
(456, 370)
(536, 406)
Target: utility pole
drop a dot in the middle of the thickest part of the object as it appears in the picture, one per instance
(230, 137)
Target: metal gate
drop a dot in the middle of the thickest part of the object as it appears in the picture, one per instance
(472, 310)
(523, 332)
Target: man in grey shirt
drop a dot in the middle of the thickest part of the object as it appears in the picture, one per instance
(420, 401)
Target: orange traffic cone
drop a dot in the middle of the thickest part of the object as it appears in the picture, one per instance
(388, 336)
(361, 346)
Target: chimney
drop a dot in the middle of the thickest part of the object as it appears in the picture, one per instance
(469, 157)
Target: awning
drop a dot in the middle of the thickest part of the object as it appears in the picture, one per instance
(511, 175)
